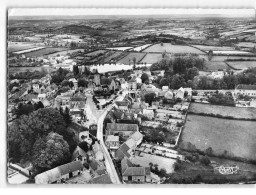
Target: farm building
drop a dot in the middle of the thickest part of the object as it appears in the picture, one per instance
(134, 174)
(122, 129)
(127, 148)
(60, 173)
(249, 90)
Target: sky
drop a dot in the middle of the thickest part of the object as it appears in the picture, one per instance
(122, 11)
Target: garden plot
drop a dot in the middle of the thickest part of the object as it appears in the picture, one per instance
(169, 48)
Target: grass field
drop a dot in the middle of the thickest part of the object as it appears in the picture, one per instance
(66, 52)
(246, 44)
(163, 163)
(31, 69)
(242, 64)
(234, 136)
(236, 112)
(207, 48)
(45, 51)
(151, 58)
(215, 66)
(114, 55)
(169, 48)
(20, 47)
(96, 52)
(130, 57)
(227, 52)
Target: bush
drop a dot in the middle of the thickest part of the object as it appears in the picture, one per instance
(177, 166)
(205, 160)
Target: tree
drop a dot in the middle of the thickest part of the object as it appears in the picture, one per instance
(192, 72)
(177, 166)
(209, 151)
(24, 109)
(38, 105)
(66, 116)
(65, 83)
(177, 81)
(164, 82)
(75, 70)
(24, 131)
(144, 77)
(210, 55)
(205, 160)
(149, 98)
(162, 172)
(82, 83)
(83, 145)
(49, 152)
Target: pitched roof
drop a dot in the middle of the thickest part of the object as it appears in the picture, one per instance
(246, 87)
(118, 114)
(94, 164)
(122, 127)
(122, 103)
(103, 179)
(78, 152)
(70, 167)
(56, 173)
(112, 138)
(136, 136)
(128, 169)
(123, 151)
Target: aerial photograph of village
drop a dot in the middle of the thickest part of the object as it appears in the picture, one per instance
(131, 99)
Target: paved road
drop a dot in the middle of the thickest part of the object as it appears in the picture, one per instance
(108, 161)
(100, 116)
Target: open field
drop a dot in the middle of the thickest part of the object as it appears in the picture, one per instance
(65, 52)
(114, 55)
(129, 58)
(163, 163)
(29, 50)
(13, 70)
(242, 64)
(215, 66)
(96, 52)
(211, 175)
(120, 48)
(234, 136)
(246, 44)
(227, 52)
(169, 48)
(140, 47)
(151, 58)
(17, 46)
(207, 48)
(236, 112)
(44, 51)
